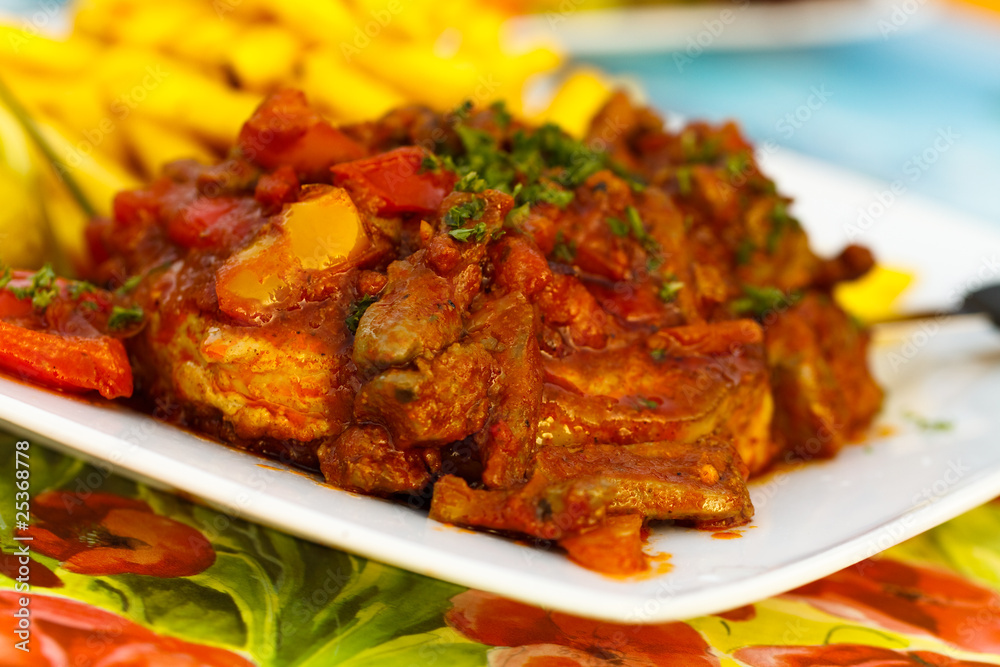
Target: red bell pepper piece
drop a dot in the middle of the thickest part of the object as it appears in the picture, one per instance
(66, 362)
(396, 178)
(212, 222)
(285, 130)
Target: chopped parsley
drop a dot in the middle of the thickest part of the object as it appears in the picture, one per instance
(5, 276)
(647, 403)
(459, 214)
(564, 251)
(533, 165)
(744, 251)
(356, 310)
(471, 183)
(462, 110)
(925, 424)
(42, 289)
(80, 287)
(780, 221)
(683, 175)
(478, 232)
(737, 165)
(759, 301)
(638, 230)
(670, 289)
(518, 215)
(431, 163)
(697, 150)
(658, 354)
(500, 113)
(122, 318)
(545, 192)
(618, 227)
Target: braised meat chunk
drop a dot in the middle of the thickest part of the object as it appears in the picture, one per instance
(551, 338)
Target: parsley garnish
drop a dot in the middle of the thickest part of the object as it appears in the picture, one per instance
(471, 210)
(356, 310)
(5, 276)
(122, 318)
(80, 287)
(696, 150)
(658, 354)
(42, 289)
(780, 220)
(518, 215)
(759, 301)
(635, 224)
(545, 192)
(744, 251)
(500, 113)
(478, 232)
(430, 163)
(471, 183)
(129, 285)
(925, 424)
(564, 251)
(618, 228)
(647, 403)
(684, 180)
(670, 289)
(737, 164)
(462, 110)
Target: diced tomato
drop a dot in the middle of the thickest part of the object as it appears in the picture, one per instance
(277, 188)
(130, 206)
(66, 362)
(94, 235)
(285, 130)
(396, 178)
(11, 306)
(212, 222)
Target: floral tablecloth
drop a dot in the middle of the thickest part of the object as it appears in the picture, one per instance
(118, 574)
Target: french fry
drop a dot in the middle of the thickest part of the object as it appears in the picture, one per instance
(23, 239)
(576, 101)
(155, 144)
(348, 94)
(37, 53)
(264, 57)
(316, 21)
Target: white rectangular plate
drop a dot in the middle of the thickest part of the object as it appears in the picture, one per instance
(809, 522)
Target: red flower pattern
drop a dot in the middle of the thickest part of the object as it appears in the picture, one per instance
(844, 655)
(102, 534)
(533, 637)
(65, 632)
(912, 599)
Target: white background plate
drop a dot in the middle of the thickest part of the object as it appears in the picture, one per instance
(737, 25)
(809, 523)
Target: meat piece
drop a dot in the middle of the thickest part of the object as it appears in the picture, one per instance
(824, 392)
(566, 302)
(507, 443)
(243, 373)
(700, 482)
(853, 262)
(540, 508)
(414, 316)
(705, 379)
(439, 401)
(363, 459)
(572, 490)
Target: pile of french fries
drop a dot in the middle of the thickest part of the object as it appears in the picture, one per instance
(135, 84)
